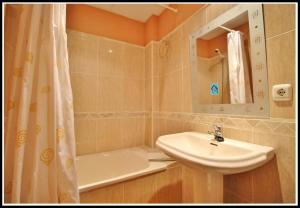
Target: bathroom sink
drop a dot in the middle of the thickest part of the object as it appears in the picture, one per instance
(200, 150)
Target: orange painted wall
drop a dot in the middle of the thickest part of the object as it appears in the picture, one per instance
(95, 21)
(205, 48)
(151, 29)
(202, 48)
(169, 20)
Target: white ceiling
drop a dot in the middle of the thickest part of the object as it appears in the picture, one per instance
(139, 12)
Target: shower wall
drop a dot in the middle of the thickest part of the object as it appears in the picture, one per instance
(108, 83)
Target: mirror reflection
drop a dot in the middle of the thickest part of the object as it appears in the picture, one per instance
(224, 64)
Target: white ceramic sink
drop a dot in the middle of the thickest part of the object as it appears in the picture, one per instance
(228, 157)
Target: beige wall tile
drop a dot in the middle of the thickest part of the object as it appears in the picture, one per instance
(198, 127)
(133, 62)
(121, 59)
(85, 130)
(214, 10)
(109, 194)
(133, 131)
(281, 70)
(169, 186)
(82, 50)
(279, 18)
(167, 126)
(285, 158)
(240, 184)
(110, 94)
(155, 59)
(84, 87)
(148, 132)
(134, 95)
(156, 129)
(238, 134)
(170, 97)
(99, 87)
(266, 184)
(109, 134)
(85, 134)
(86, 147)
(195, 22)
(187, 91)
(148, 94)
(141, 190)
(148, 61)
(156, 92)
(187, 184)
(284, 130)
(169, 53)
(110, 57)
(230, 197)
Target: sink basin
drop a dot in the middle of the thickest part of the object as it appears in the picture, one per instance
(200, 150)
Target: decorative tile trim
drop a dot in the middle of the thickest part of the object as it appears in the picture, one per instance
(271, 126)
(125, 114)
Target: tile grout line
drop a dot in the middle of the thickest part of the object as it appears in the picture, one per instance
(152, 94)
(284, 33)
(97, 97)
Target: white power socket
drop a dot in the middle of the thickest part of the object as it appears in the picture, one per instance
(282, 92)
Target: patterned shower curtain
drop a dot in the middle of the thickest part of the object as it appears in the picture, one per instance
(39, 134)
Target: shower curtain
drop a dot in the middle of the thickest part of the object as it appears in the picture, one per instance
(239, 82)
(39, 134)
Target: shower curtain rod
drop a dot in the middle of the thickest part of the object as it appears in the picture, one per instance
(168, 7)
(225, 28)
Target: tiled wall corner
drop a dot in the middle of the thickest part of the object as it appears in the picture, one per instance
(108, 83)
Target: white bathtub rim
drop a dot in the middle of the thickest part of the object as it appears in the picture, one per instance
(153, 167)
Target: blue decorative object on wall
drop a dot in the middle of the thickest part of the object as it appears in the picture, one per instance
(214, 88)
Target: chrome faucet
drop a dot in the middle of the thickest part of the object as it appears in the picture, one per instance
(218, 133)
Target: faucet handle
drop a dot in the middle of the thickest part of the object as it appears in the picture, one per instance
(217, 127)
(218, 132)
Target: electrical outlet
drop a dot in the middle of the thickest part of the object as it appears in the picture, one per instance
(282, 92)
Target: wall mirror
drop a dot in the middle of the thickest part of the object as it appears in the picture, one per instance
(228, 59)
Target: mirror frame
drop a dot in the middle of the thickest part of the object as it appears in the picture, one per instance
(260, 107)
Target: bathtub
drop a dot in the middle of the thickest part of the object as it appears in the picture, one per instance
(103, 169)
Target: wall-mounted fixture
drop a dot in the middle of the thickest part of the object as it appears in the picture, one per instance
(282, 92)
